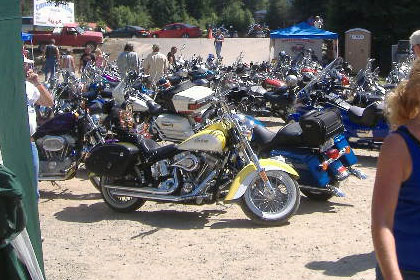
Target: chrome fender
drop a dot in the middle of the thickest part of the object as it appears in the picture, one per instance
(244, 178)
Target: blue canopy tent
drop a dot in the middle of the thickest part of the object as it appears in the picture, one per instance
(301, 32)
(26, 36)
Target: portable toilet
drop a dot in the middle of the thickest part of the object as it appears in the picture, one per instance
(357, 47)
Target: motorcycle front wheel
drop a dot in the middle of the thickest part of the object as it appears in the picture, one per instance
(119, 203)
(270, 209)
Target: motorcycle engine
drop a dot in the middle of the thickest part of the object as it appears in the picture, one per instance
(55, 154)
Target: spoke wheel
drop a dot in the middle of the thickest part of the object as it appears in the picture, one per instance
(119, 203)
(267, 208)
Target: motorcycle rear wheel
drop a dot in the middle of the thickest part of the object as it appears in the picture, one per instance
(262, 208)
(118, 203)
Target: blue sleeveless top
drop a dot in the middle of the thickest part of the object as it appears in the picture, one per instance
(407, 213)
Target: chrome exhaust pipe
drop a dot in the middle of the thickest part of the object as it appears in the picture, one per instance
(155, 197)
(141, 190)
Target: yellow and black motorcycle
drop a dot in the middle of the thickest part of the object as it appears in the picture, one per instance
(215, 164)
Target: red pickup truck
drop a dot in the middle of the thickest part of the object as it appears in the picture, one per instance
(69, 35)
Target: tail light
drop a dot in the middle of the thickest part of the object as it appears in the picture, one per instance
(196, 106)
(198, 119)
(342, 169)
(345, 81)
(333, 153)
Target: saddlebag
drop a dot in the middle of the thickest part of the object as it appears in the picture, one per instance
(319, 126)
(113, 159)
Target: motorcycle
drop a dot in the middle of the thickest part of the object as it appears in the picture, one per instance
(214, 164)
(316, 147)
(63, 141)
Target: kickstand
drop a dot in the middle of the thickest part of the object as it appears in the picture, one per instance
(223, 205)
(55, 184)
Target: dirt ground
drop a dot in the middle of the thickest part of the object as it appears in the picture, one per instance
(84, 239)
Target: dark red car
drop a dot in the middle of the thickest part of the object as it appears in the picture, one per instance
(177, 30)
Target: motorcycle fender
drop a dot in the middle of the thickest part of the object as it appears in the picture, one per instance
(244, 178)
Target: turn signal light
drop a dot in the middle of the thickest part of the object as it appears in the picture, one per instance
(333, 153)
(348, 150)
(324, 166)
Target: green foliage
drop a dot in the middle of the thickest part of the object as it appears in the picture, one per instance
(123, 15)
(278, 14)
(237, 15)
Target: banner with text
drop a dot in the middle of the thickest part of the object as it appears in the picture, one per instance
(50, 14)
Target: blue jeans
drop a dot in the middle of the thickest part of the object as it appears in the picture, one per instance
(50, 65)
(218, 48)
(35, 160)
(407, 275)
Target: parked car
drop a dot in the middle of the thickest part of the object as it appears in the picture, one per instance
(177, 30)
(68, 35)
(128, 31)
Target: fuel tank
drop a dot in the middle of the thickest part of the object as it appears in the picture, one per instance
(211, 139)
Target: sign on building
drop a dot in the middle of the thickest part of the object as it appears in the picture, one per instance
(50, 14)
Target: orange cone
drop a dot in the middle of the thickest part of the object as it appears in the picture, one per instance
(210, 34)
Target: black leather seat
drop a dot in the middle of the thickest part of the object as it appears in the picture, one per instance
(154, 108)
(106, 93)
(153, 152)
(288, 136)
(278, 97)
(368, 116)
(366, 98)
(262, 136)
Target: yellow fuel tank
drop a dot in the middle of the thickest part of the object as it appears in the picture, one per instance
(211, 139)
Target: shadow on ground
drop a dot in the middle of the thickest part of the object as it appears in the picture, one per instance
(309, 206)
(67, 195)
(367, 161)
(345, 267)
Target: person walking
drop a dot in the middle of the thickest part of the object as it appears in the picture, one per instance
(415, 43)
(128, 60)
(171, 56)
(52, 56)
(396, 194)
(36, 93)
(155, 64)
(86, 58)
(218, 42)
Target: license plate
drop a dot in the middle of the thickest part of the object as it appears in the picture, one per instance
(327, 145)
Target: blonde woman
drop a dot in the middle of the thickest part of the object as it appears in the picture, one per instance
(396, 195)
(99, 58)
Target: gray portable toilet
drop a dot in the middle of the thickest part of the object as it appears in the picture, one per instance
(357, 47)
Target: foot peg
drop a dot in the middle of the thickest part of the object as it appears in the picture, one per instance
(337, 192)
(359, 174)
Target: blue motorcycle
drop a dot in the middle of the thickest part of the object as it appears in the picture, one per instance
(316, 147)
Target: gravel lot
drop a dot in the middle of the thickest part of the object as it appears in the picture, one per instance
(84, 239)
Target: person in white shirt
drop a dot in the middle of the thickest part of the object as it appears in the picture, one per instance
(36, 93)
(155, 64)
(415, 43)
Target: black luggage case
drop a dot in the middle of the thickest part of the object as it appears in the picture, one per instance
(319, 126)
(112, 159)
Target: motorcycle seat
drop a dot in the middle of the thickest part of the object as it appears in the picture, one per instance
(89, 95)
(262, 136)
(288, 136)
(276, 97)
(368, 116)
(154, 108)
(153, 152)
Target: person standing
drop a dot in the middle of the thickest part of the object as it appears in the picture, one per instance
(415, 43)
(171, 56)
(396, 194)
(318, 23)
(155, 64)
(86, 58)
(99, 58)
(67, 62)
(128, 60)
(52, 56)
(36, 93)
(218, 42)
